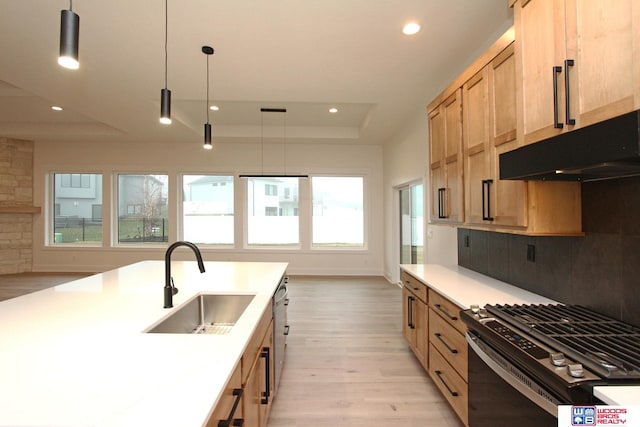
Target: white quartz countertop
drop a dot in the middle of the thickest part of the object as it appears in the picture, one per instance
(77, 355)
(466, 287)
(619, 395)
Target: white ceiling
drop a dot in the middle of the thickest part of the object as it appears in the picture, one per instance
(302, 55)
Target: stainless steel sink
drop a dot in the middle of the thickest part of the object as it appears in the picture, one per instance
(205, 314)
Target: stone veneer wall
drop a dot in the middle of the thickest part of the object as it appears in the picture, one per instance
(16, 189)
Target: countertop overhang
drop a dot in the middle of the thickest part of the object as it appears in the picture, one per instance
(77, 355)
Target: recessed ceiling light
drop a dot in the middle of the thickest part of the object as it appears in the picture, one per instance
(333, 110)
(214, 108)
(411, 28)
(55, 107)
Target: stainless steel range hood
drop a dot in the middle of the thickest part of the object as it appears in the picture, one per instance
(606, 150)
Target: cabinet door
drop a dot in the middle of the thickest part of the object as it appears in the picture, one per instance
(541, 45)
(259, 387)
(453, 157)
(601, 41)
(436, 163)
(508, 198)
(445, 150)
(477, 151)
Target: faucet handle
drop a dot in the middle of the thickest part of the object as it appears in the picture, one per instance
(174, 290)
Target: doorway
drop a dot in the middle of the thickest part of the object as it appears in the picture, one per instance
(411, 224)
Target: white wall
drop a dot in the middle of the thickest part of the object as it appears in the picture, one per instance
(180, 157)
(406, 161)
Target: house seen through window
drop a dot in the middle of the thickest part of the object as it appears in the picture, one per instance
(77, 207)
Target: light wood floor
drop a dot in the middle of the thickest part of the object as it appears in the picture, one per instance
(346, 365)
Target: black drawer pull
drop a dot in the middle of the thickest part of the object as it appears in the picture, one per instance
(556, 122)
(445, 312)
(453, 393)
(486, 200)
(567, 63)
(452, 350)
(267, 372)
(286, 329)
(410, 300)
(441, 203)
(237, 392)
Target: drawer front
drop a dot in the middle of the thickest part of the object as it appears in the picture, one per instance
(448, 310)
(450, 342)
(251, 353)
(227, 400)
(418, 288)
(450, 384)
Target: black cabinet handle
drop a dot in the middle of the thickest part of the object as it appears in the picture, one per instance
(410, 312)
(286, 301)
(441, 203)
(556, 122)
(445, 312)
(286, 329)
(567, 63)
(486, 200)
(265, 395)
(439, 336)
(237, 392)
(453, 393)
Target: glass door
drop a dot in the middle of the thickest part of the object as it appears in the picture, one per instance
(411, 225)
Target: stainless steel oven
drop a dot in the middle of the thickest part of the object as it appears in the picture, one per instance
(525, 360)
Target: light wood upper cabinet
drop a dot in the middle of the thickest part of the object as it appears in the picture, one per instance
(489, 118)
(445, 142)
(576, 62)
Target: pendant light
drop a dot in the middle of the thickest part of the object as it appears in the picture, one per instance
(69, 38)
(207, 50)
(165, 94)
(283, 111)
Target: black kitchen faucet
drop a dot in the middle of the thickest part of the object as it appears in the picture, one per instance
(169, 289)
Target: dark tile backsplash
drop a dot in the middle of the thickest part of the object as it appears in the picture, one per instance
(600, 270)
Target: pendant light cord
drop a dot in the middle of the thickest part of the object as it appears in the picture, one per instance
(71, 5)
(284, 143)
(207, 88)
(166, 29)
(262, 142)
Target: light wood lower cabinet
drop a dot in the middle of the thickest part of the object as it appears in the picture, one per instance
(415, 318)
(259, 386)
(257, 374)
(228, 411)
(435, 333)
(246, 399)
(450, 383)
(448, 352)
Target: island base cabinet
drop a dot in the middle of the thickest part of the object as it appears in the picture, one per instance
(453, 387)
(228, 411)
(259, 385)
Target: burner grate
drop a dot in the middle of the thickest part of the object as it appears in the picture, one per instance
(610, 347)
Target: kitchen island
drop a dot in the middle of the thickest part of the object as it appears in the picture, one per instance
(77, 354)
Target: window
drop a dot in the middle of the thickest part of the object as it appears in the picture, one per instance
(338, 212)
(270, 190)
(272, 219)
(411, 225)
(142, 208)
(207, 209)
(77, 207)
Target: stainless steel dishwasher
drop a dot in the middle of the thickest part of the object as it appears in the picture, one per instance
(280, 329)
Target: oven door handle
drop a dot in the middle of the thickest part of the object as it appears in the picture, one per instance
(513, 376)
